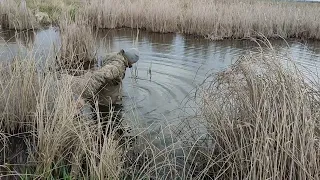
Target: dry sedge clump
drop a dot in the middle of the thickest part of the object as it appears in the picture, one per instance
(19, 89)
(264, 120)
(16, 16)
(77, 46)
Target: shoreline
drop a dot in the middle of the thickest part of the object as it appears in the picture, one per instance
(257, 117)
(214, 20)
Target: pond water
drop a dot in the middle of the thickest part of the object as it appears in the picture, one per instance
(171, 66)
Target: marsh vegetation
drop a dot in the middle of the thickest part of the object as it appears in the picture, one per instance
(256, 119)
(212, 19)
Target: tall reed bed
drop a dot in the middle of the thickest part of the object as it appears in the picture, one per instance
(212, 19)
(16, 15)
(263, 117)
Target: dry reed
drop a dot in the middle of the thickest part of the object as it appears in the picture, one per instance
(19, 89)
(65, 139)
(16, 16)
(210, 18)
(77, 44)
(261, 116)
(264, 119)
(60, 139)
(54, 9)
(63, 142)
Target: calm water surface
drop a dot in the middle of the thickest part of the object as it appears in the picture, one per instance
(171, 66)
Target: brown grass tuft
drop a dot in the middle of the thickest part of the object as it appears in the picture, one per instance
(19, 89)
(264, 120)
(77, 45)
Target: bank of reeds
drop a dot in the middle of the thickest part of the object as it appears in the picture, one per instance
(210, 18)
(16, 15)
(263, 118)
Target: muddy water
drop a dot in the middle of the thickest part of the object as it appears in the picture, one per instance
(170, 67)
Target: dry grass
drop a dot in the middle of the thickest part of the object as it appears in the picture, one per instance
(77, 44)
(21, 14)
(60, 139)
(16, 16)
(67, 140)
(19, 88)
(54, 9)
(261, 118)
(264, 120)
(211, 18)
(61, 142)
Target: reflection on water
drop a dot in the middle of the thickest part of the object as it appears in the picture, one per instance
(170, 66)
(40, 43)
